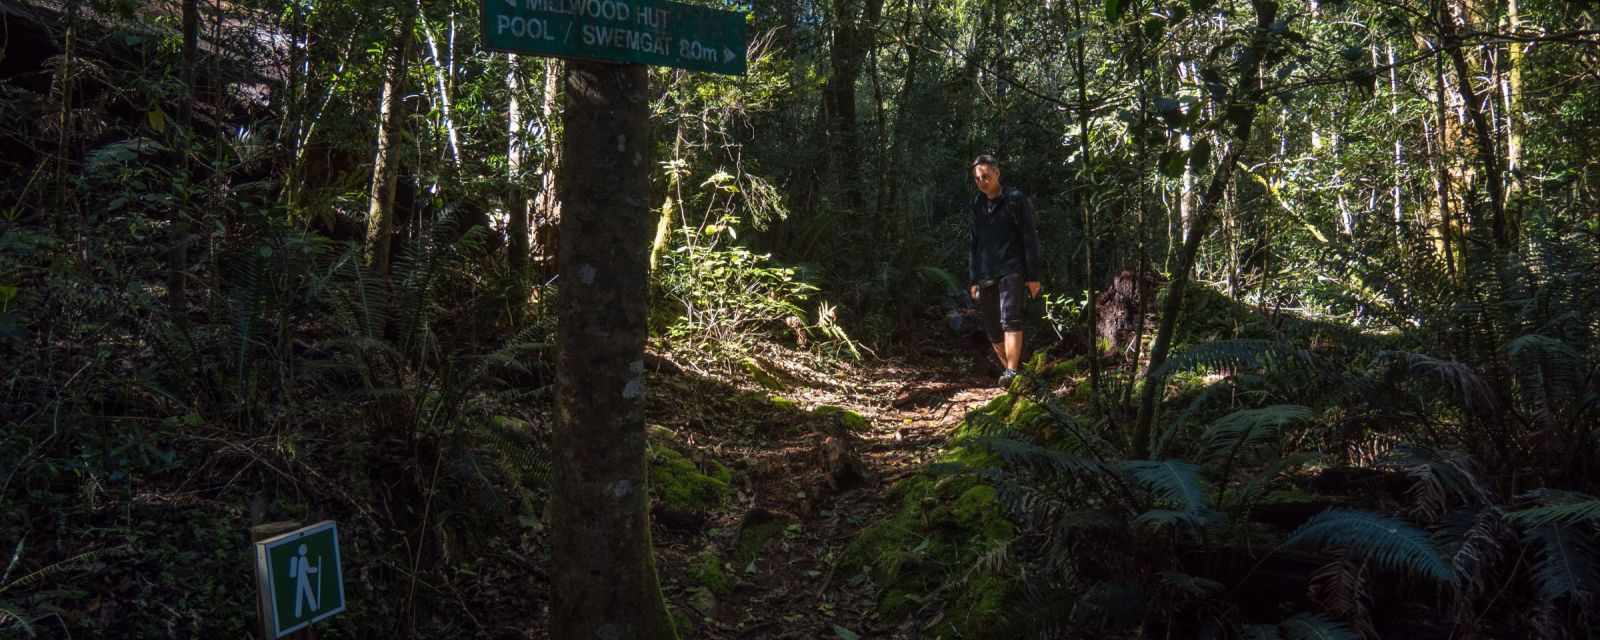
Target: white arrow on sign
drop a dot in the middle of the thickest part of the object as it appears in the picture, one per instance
(727, 55)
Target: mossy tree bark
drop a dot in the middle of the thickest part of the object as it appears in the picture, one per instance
(380, 206)
(603, 577)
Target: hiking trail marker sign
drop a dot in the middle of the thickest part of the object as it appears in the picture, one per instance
(300, 578)
(653, 32)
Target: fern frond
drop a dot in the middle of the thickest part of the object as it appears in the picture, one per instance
(1311, 626)
(1252, 426)
(1441, 479)
(949, 282)
(1340, 588)
(10, 615)
(1391, 543)
(1566, 565)
(1169, 518)
(1206, 396)
(996, 561)
(1221, 355)
(1475, 544)
(1192, 586)
(1172, 481)
(1262, 482)
(1573, 513)
(1035, 457)
(1468, 389)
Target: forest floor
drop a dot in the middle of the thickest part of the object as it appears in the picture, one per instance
(781, 537)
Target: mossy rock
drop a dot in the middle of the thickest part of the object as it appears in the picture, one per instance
(851, 420)
(1066, 368)
(760, 375)
(783, 403)
(943, 525)
(681, 486)
(759, 528)
(707, 571)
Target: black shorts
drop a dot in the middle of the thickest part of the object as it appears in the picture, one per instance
(1000, 303)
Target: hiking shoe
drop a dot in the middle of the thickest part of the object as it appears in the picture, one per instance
(1007, 377)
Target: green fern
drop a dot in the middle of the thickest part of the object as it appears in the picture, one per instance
(1173, 481)
(1251, 426)
(1236, 355)
(1567, 562)
(1467, 388)
(1572, 513)
(1312, 626)
(1023, 454)
(1393, 544)
(1205, 398)
(10, 615)
(949, 283)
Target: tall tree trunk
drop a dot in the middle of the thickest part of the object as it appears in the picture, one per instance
(441, 74)
(1511, 88)
(672, 203)
(516, 194)
(66, 80)
(547, 207)
(177, 283)
(1483, 134)
(1442, 173)
(1080, 69)
(385, 164)
(855, 24)
(1243, 102)
(903, 119)
(603, 578)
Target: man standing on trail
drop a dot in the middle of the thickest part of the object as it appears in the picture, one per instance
(1004, 260)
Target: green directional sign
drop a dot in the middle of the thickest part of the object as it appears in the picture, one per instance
(653, 32)
(301, 579)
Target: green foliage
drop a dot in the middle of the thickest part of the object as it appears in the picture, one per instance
(1571, 513)
(681, 486)
(728, 294)
(1568, 565)
(1251, 426)
(1172, 482)
(1308, 626)
(1390, 543)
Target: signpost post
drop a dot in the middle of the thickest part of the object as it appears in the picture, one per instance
(299, 578)
(609, 590)
(650, 32)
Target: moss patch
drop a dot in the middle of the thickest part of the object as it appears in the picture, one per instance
(754, 535)
(707, 571)
(943, 525)
(760, 375)
(682, 486)
(851, 420)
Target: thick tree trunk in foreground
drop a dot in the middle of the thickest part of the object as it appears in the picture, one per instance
(380, 206)
(603, 576)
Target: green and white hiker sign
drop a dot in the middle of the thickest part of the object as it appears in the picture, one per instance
(300, 578)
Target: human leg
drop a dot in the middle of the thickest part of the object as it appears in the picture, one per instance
(1012, 297)
(989, 312)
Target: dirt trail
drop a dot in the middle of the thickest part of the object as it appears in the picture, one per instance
(788, 586)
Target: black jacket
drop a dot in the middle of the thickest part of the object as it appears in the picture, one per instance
(1004, 239)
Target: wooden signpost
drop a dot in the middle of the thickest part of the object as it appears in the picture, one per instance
(649, 32)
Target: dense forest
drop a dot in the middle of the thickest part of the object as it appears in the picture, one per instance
(570, 349)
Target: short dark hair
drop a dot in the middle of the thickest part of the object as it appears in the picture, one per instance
(985, 159)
